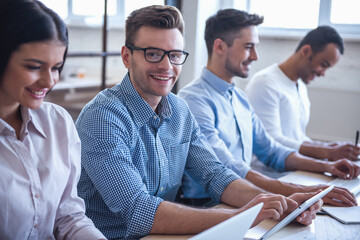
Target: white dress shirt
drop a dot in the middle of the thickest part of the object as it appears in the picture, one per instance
(282, 105)
(39, 175)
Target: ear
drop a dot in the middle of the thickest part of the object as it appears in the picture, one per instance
(306, 50)
(219, 46)
(126, 56)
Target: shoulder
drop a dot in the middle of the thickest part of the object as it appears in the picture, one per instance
(197, 91)
(103, 113)
(267, 74)
(53, 112)
(177, 103)
(263, 80)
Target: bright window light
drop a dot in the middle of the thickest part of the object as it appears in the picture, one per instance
(287, 14)
(60, 7)
(240, 4)
(345, 12)
(93, 8)
(135, 4)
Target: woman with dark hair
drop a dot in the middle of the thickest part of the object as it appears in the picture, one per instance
(39, 145)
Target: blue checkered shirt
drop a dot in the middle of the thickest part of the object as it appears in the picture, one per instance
(133, 159)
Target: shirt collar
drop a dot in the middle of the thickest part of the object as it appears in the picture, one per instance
(139, 108)
(30, 117)
(217, 83)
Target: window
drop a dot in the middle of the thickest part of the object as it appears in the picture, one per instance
(90, 13)
(298, 16)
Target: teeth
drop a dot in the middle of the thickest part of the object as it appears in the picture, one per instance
(37, 92)
(161, 78)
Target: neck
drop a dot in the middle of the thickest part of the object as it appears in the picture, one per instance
(13, 118)
(219, 70)
(290, 68)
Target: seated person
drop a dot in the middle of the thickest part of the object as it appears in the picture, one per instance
(40, 149)
(138, 138)
(229, 123)
(279, 95)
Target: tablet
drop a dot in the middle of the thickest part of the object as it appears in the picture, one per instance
(296, 212)
(233, 228)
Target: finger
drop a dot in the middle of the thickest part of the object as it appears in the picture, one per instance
(343, 195)
(305, 218)
(335, 202)
(276, 205)
(341, 169)
(357, 171)
(269, 213)
(351, 171)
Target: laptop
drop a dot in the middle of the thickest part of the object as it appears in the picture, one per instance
(233, 228)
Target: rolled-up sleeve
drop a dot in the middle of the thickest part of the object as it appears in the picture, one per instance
(205, 168)
(266, 148)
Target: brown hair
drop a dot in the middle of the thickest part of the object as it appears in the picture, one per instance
(225, 24)
(158, 16)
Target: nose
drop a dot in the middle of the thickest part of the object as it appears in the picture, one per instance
(49, 78)
(253, 54)
(165, 63)
(322, 72)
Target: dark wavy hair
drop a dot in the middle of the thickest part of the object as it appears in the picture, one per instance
(226, 23)
(25, 21)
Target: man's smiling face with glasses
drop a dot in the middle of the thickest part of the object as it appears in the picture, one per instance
(155, 63)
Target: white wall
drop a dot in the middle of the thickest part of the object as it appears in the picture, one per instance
(335, 98)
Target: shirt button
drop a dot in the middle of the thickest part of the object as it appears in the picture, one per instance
(36, 225)
(37, 195)
(155, 117)
(162, 189)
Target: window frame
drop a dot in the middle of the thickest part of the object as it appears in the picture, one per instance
(116, 21)
(347, 31)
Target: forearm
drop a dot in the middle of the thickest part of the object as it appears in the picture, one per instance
(315, 150)
(273, 185)
(297, 161)
(240, 192)
(172, 218)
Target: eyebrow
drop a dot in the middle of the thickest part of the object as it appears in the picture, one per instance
(39, 61)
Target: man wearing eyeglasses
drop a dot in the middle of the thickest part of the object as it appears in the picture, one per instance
(138, 138)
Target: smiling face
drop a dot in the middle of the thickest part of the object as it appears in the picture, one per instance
(242, 52)
(153, 80)
(31, 72)
(316, 64)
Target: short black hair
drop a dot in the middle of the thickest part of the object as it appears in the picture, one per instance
(226, 23)
(25, 21)
(320, 37)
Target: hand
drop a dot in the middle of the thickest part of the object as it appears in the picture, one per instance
(308, 215)
(338, 196)
(343, 150)
(274, 206)
(343, 168)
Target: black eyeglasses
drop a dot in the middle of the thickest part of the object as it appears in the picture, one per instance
(155, 55)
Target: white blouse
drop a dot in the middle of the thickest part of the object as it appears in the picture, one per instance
(39, 175)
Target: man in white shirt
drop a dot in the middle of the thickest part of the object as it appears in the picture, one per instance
(279, 95)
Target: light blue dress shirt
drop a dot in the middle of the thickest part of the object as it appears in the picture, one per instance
(133, 158)
(232, 128)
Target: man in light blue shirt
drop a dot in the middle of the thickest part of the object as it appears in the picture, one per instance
(229, 122)
(138, 138)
